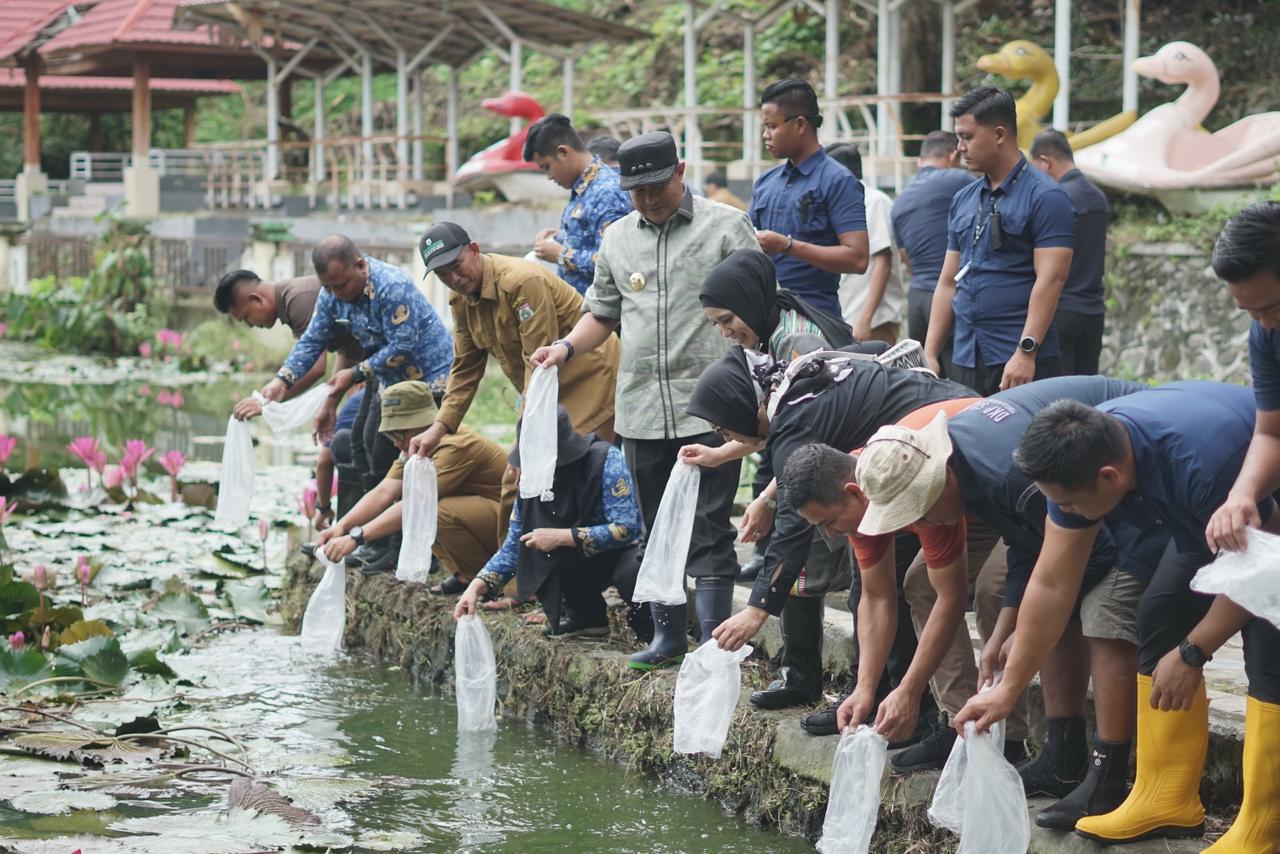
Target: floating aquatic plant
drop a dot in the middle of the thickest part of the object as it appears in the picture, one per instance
(172, 462)
(88, 450)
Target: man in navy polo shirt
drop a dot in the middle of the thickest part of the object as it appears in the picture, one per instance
(808, 212)
(1158, 459)
(1082, 310)
(1010, 236)
(970, 470)
(920, 226)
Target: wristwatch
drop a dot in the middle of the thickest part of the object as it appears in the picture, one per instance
(1028, 344)
(357, 534)
(566, 345)
(1193, 655)
(771, 503)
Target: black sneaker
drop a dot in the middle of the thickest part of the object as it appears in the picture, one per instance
(821, 722)
(1015, 751)
(929, 754)
(570, 628)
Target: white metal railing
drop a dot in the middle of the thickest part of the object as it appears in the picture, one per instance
(8, 191)
(179, 161)
(99, 165)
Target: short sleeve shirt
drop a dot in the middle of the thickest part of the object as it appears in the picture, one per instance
(942, 544)
(1084, 291)
(853, 286)
(1189, 440)
(1264, 366)
(920, 221)
(814, 201)
(296, 302)
(993, 285)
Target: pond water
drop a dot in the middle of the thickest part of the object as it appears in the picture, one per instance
(376, 763)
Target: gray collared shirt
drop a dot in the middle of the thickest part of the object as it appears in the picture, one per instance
(648, 277)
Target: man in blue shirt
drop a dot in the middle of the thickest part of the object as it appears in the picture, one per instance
(1161, 459)
(969, 468)
(1081, 308)
(1009, 242)
(920, 226)
(596, 199)
(808, 212)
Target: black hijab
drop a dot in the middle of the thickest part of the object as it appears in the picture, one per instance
(727, 394)
(746, 283)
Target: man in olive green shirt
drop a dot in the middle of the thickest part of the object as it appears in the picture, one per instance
(650, 269)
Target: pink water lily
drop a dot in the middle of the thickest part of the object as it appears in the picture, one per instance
(307, 500)
(7, 444)
(99, 463)
(17, 641)
(6, 509)
(136, 452)
(172, 462)
(263, 530)
(144, 349)
(86, 449)
(144, 390)
(170, 339)
(40, 578)
(113, 478)
(84, 573)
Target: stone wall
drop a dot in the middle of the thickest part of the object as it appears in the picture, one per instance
(1169, 317)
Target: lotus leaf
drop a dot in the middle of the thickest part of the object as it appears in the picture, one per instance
(56, 745)
(84, 629)
(185, 610)
(147, 661)
(249, 600)
(98, 657)
(17, 597)
(61, 801)
(19, 668)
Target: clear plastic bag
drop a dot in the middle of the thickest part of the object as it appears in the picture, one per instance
(235, 484)
(854, 804)
(980, 796)
(707, 689)
(286, 417)
(418, 520)
(475, 675)
(666, 551)
(1248, 578)
(326, 616)
(538, 434)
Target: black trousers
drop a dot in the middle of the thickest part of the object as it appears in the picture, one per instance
(583, 579)
(919, 304)
(1080, 337)
(985, 379)
(1170, 609)
(711, 553)
(371, 451)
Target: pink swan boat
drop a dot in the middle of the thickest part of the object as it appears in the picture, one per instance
(501, 167)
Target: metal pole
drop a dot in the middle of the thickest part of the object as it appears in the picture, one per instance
(948, 63)
(1132, 19)
(882, 74)
(273, 121)
(451, 128)
(317, 133)
(1062, 62)
(517, 76)
(750, 136)
(895, 75)
(416, 102)
(402, 116)
(830, 69)
(366, 114)
(692, 132)
(568, 66)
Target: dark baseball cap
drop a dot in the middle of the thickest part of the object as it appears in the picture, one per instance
(441, 243)
(649, 158)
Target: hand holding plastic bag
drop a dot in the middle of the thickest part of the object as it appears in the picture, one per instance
(475, 675)
(418, 520)
(980, 796)
(286, 417)
(707, 689)
(538, 434)
(235, 483)
(326, 616)
(666, 551)
(1250, 578)
(854, 804)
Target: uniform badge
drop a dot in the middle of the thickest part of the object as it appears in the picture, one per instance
(413, 372)
(401, 315)
(637, 281)
(577, 213)
(397, 361)
(524, 311)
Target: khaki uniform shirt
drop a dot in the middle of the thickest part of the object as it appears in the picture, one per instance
(725, 196)
(466, 464)
(523, 306)
(296, 302)
(648, 277)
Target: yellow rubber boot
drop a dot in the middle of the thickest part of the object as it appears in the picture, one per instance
(1256, 829)
(1165, 800)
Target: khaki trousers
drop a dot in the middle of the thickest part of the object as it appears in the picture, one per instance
(466, 528)
(956, 679)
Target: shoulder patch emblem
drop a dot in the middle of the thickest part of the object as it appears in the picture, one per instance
(396, 361)
(401, 315)
(577, 212)
(413, 372)
(620, 488)
(524, 311)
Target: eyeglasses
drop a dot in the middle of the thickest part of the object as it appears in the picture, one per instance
(772, 128)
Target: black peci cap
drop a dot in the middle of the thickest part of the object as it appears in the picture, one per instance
(647, 159)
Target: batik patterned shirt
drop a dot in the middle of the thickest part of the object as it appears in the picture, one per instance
(402, 336)
(613, 524)
(596, 200)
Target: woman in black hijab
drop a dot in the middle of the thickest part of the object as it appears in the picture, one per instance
(742, 298)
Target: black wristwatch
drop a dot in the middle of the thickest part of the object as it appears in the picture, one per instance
(567, 346)
(1193, 655)
(357, 534)
(1028, 344)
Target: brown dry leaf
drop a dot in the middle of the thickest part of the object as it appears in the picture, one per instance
(251, 795)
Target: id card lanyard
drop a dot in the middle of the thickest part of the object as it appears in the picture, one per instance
(993, 217)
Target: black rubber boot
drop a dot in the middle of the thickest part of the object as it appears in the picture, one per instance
(386, 561)
(670, 638)
(799, 680)
(713, 602)
(1060, 766)
(350, 488)
(1104, 788)
(640, 619)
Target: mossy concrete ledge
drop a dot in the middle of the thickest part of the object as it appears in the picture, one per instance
(771, 773)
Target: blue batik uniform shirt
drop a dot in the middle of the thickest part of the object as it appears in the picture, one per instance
(613, 524)
(596, 200)
(814, 201)
(993, 294)
(402, 336)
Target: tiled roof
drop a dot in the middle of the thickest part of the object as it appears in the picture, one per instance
(22, 20)
(118, 22)
(15, 78)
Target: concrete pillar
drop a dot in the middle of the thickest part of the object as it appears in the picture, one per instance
(32, 179)
(948, 83)
(189, 124)
(1062, 62)
(830, 81)
(1132, 19)
(141, 182)
(692, 131)
(415, 101)
(402, 116)
(366, 114)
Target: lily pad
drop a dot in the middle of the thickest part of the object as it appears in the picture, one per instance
(17, 597)
(208, 833)
(84, 629)
(186, 611)
(249, 600)
(56, 745)
(238, 556)
(63, 844)
(147, 661)
(19, 668)
(251, 795)
(61, 801)
(98, 657)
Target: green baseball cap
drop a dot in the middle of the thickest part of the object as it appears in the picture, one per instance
(407, 406)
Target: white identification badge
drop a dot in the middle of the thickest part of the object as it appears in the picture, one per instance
(961, 274)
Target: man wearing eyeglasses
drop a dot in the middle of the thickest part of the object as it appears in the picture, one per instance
(808, 211)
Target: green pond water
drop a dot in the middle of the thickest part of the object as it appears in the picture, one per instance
(374, 757)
